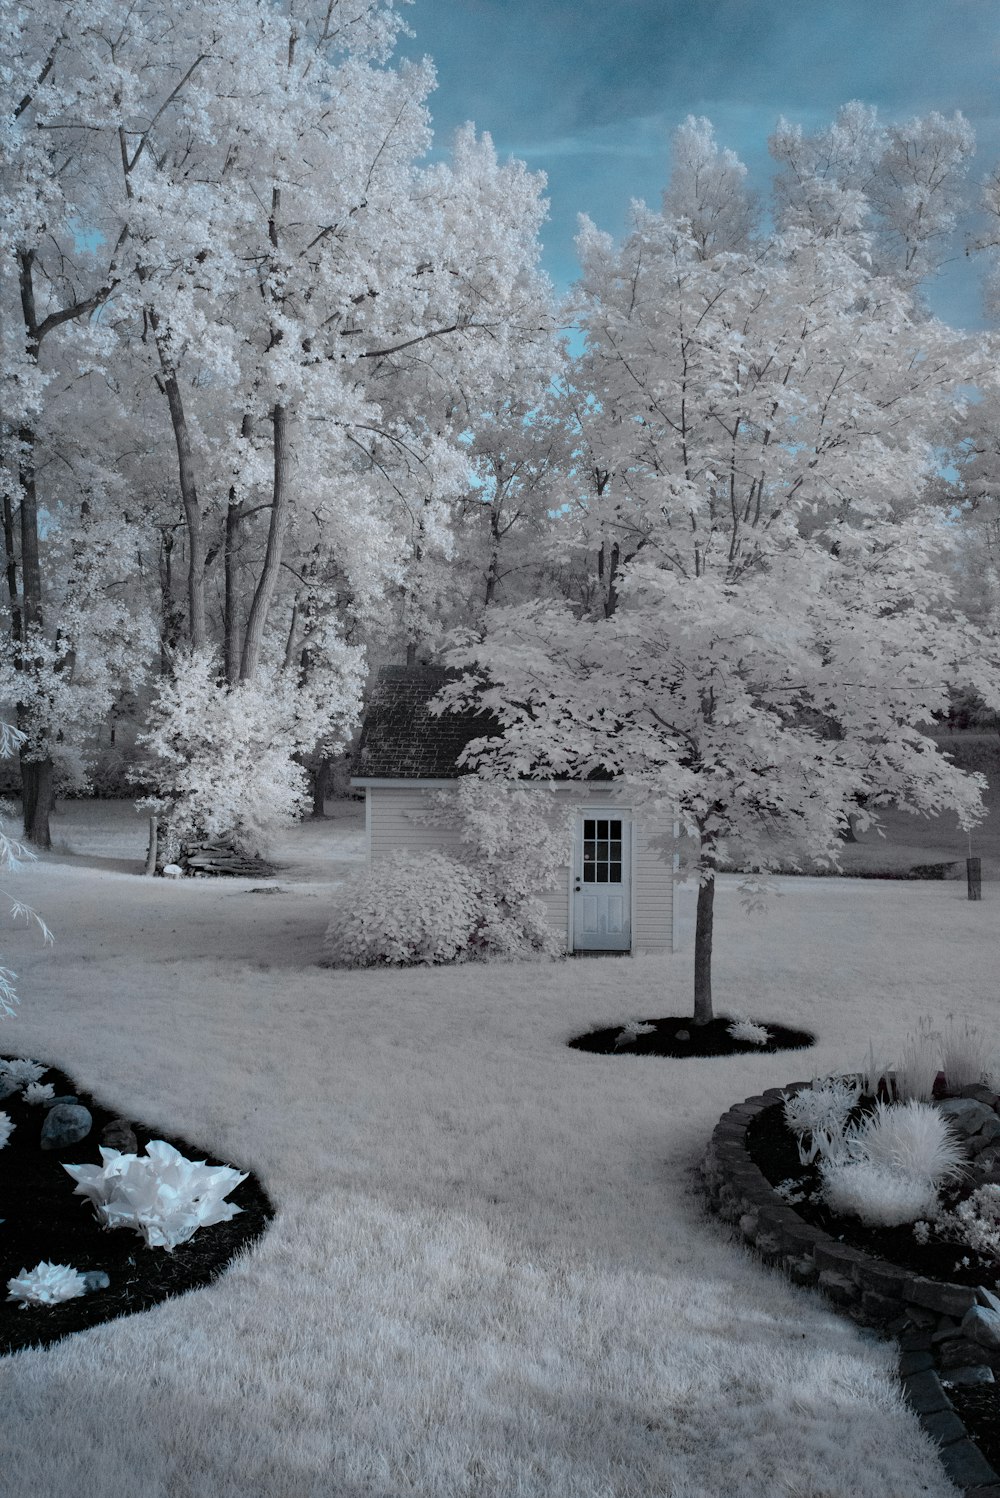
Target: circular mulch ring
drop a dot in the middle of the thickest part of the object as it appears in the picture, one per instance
(678, 1035)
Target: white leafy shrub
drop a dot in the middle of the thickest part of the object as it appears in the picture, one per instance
(407, 908)
(877, 1194)
(45, 1285)
(6, 1128)
(162, 1196)
(221, 760)
(515, 841)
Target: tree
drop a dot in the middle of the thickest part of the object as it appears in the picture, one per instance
(288, 299)
(781, 634)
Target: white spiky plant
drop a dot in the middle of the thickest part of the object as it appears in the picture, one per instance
(964, 1053)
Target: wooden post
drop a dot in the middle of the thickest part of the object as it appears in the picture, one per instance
(974, 872)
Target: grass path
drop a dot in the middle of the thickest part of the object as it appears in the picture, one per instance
(489, 1274)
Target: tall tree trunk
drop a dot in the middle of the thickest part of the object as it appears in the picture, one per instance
(37, 795)
(267, 582)
(36, 768)
(320, 785)
(233, 600)
(189, 492)
(704, 923)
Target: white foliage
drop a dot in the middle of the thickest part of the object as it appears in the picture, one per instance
(918, 1066)
(747, 1030)
(39, 1092)
(975, 1221)
(876, 1193)
(22, 1070)
(163, 1196)
(818, 1115)
(45, 1285)
(407, 908)
(912, 1139)
(964, 1054)
(6, 1129)
(222, 758)
(516, 843)
(631, 1030)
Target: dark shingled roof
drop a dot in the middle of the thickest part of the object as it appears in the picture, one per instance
(399, 738)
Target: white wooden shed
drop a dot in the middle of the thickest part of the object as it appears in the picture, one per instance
(618, 891)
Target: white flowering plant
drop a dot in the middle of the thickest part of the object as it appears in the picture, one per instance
(39, 1092)
(7, 1128)
(164, 1197)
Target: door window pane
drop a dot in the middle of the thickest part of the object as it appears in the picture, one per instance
(602, 850)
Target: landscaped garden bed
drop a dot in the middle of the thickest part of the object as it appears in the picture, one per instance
(45, 1222)
(939, 1298)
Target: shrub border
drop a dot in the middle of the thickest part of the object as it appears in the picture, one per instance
(923, 1315)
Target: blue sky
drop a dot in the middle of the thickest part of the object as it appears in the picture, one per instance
(589, 90)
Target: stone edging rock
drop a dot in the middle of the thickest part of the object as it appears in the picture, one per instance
(932, 1320)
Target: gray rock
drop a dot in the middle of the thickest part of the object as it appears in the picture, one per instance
(95, 1279)
(987, 1298)
(8, 1087)
(965, 1114)
(990, 1130)
(67, 1123)
(971, 1373)
(118, 1135)
(66, 1097)
(982, 1325)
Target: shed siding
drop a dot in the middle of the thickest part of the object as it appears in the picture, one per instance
(391, 826)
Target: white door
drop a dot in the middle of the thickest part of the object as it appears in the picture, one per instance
(602, 885)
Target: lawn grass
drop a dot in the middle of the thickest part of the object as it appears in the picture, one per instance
(490, 1272)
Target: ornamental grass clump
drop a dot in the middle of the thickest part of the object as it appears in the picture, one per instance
(748, 1031)
(964, 1053)
(891, 1164)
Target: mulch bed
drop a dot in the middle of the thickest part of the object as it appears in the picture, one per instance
(44, 1220)
(678, 1035)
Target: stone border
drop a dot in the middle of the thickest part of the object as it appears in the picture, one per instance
(933, 1321)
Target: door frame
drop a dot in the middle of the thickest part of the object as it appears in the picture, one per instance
(624, 814)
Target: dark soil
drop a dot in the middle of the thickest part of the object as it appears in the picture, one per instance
(678, 1035)
(773, 1150)
(978, 1408)
(44, 1220)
